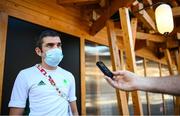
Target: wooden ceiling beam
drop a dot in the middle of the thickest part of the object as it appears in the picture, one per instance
(148, 54)
(164, 42)
(144, 36)
(147, 2)
(140, 44)
(114, 7)
(173, 3)
(143, 52)
(176, 30)
(178, 36)
(170, 43)
(144, 17)
(176, 11)
(150, 10)
(104, 3)
(77, 2)
(150, 37)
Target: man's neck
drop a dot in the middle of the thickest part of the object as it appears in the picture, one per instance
(44, 65)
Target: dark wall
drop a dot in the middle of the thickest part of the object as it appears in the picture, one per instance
(20, 54)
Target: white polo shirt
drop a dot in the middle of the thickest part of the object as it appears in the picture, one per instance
(43, 98)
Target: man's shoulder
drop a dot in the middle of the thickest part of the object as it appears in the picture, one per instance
(28, 70)
(26, 73)
(64, 71)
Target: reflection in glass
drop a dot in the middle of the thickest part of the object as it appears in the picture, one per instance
(155, 99)
(100, 96)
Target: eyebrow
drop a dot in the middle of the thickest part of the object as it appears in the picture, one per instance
(52, 44)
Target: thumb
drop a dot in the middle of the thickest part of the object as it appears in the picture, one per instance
(109, 80)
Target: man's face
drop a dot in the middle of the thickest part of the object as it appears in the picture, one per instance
(49, 43)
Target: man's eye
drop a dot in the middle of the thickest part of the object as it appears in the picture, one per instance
(50, 45)
(59, 45)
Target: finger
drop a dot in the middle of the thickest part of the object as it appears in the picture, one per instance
(110, 81)
(119, 73)
(109, 77)
(116, 78)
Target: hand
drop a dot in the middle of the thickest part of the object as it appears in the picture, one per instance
(124, 80)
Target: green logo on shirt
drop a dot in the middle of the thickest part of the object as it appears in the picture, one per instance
(65, 82)
(41, 83)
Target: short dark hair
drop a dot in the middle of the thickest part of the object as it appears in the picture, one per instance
(46, 33)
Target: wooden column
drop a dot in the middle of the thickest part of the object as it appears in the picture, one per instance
(169, 61)
(177, 55)
(122, 60)
(121, 55)
(121, 95)
(147, 95)
(134, 29)
(83, 81)
(97, 83)
(163, 100)
(177, 104)
(130, 54)
(3, 35)
(170, 67)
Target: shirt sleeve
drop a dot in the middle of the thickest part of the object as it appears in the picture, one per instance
(72, 91)
(20, 92)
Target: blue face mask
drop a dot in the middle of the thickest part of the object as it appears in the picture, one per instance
(53, 57)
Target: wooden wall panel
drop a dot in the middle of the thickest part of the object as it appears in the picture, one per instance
(61, 14)
(67, 20)
(45, 14)
(75, 12)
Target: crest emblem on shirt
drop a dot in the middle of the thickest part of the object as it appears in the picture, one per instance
(41, 83)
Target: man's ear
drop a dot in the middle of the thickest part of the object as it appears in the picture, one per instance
(38, 51)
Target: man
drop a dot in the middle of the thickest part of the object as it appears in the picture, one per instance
(50, 89)
(128, 81)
